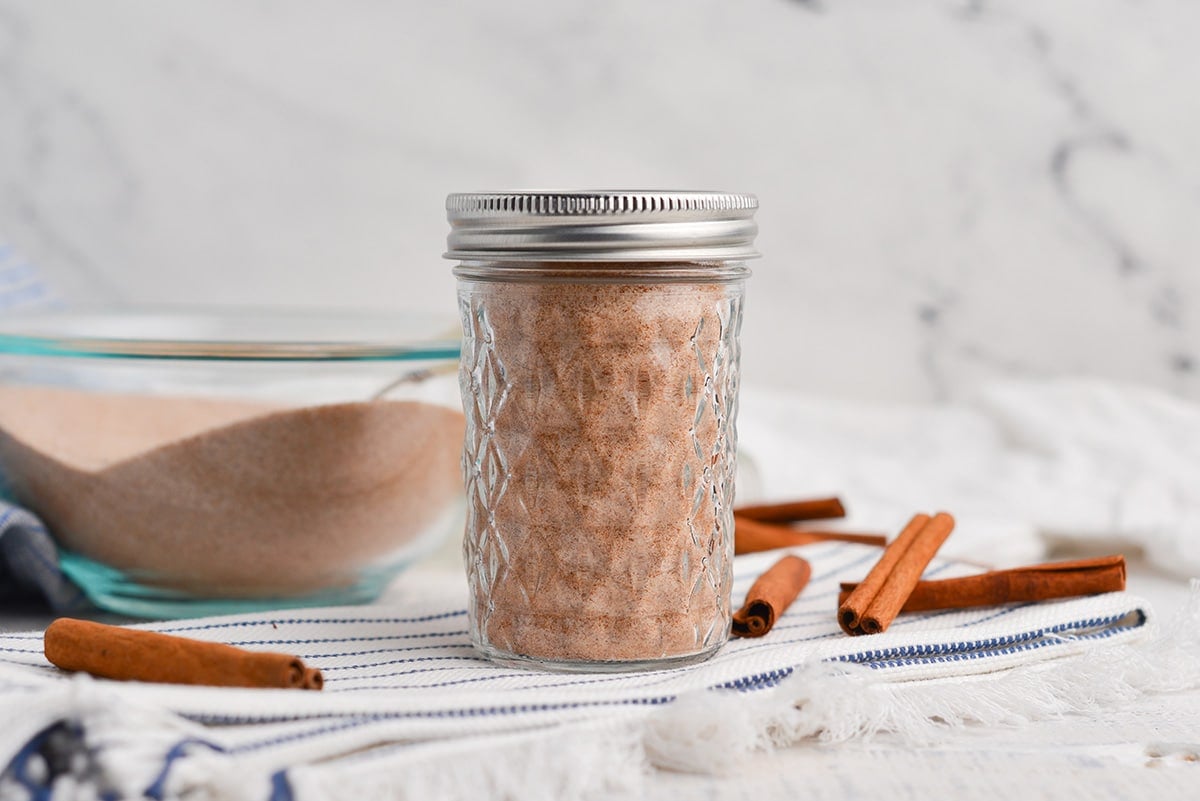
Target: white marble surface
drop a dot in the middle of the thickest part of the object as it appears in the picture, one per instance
(951, 189)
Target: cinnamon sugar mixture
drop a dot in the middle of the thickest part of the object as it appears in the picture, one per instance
(229, 498)
(600, 463)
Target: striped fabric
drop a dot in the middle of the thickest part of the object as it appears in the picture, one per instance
(409, 675)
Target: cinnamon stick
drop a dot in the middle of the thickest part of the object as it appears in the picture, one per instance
(313, 679)
(114, 652)
(770, 596)
(1021, 584)
(872, 606)
(794, 511)
(751, 536)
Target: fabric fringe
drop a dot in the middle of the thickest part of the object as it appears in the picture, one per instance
(83, 742)
(712, 731)
(564, 763)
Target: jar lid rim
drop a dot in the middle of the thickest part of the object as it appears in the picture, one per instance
(598, 225)
(588, 202)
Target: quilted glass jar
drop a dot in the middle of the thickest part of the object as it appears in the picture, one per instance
(599, 375)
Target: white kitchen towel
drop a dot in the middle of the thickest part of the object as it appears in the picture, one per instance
(1023, 465)
(405, 691)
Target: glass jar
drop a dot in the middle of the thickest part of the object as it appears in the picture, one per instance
(599, 376)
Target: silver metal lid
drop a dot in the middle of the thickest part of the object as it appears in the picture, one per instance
(589, 226)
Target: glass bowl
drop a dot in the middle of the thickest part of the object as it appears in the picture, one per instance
(192, 463)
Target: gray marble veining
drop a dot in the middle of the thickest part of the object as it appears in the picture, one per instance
(952, 190)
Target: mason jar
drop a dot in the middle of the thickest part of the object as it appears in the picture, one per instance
(599, 377)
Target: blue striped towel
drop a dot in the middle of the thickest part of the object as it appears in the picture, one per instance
(405, 691)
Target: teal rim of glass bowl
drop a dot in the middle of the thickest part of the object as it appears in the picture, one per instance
(198, 335)
(114, 591)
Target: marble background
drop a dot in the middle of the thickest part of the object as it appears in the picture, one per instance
(952, 190)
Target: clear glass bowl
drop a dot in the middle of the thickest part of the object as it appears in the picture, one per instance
(198, 463)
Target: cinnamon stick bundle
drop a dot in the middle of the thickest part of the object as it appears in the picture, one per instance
(770, 596)
(872, 606)
(794, 511)
(114, 652)
(1021, 584)
(751, 536)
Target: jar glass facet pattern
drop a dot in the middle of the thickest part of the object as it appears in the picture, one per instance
(600, 459)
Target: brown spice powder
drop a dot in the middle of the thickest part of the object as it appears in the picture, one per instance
(228, 498)
(600, 465)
